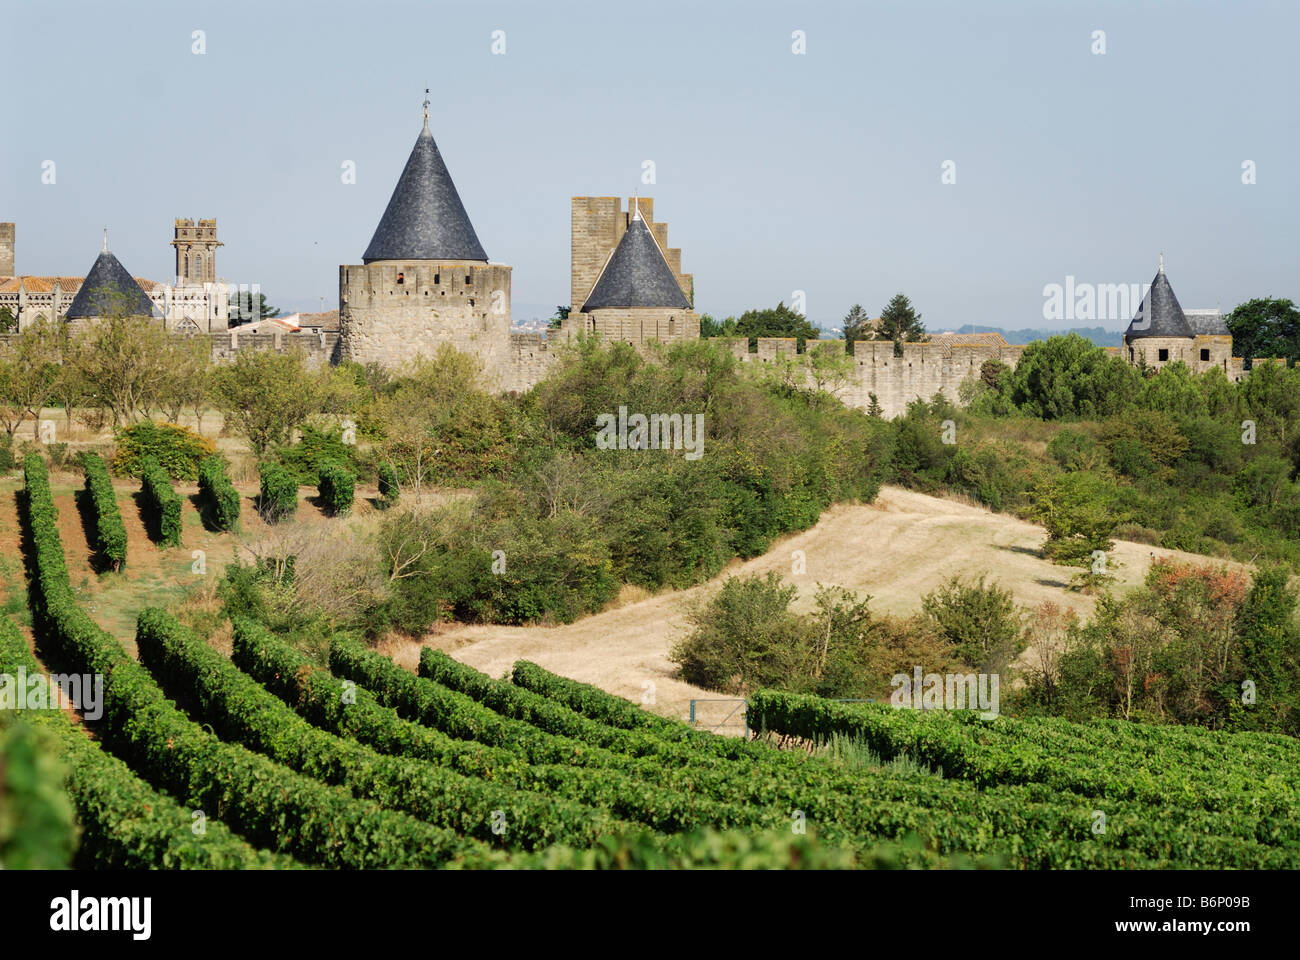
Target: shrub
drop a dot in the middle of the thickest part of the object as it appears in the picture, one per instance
(745, 637)
(162, 504)
(7, 461)
(389, 491)
(981, 622)
(177, 449)
(337, 485)
(317, 448)
(218, 500)
(57, 453)
(279, 497)
(110, 532)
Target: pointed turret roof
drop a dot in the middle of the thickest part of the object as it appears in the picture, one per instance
(637, 274)
(110, 290)
(1160, 315)
(425, 219)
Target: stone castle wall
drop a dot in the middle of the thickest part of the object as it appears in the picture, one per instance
(319, 348)
(460, 302)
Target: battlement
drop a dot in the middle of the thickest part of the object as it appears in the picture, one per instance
(392, 310)
(598, 224)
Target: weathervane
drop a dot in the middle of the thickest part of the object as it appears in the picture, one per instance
(106, 239)
(1162, 261)
(426, 108)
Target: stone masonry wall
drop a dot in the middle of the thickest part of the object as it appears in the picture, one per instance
(597, 225)
(462, 303)
(6, 249)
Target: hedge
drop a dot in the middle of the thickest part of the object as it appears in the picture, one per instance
(279, 492)
(162, 504)
(269, 804)
(240, 709)
(110, 532)
(125, 823)
(337, 486)
(347, 710)
(218, 500)
(389, 491)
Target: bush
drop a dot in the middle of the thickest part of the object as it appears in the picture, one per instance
(389, 491)
(110, 532)
(279, 497)
(7, 461)
(744, 637)
(162, 504)
(981, 622)
(218, 500)
(177, 449)
(337, 485)
(317, 448)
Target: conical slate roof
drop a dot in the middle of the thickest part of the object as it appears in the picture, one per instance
(109, 290)
(425, 219)
(637, 275)
(1160, 315)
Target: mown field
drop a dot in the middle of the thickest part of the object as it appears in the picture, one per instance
(363, 764)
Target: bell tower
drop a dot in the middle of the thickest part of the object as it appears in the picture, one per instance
(196, 251)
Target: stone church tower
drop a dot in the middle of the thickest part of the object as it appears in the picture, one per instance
(425, 279)
(196, 251)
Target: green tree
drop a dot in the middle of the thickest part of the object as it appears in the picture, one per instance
(1063, 377)
(857, 325)
(981, 621)
(1265, 327)
(557, 321)
(8, 322)
(709, 327)
(778, 321)
(900, 322)
(269, 394)
(1078, 510)
(29, 370)
(247, 307)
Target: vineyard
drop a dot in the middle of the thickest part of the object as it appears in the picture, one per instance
(367, 765)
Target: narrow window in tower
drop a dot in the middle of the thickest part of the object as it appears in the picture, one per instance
(1164, 355)
(468, 281)
(1205, 354)
(437, 277)
(401, 278)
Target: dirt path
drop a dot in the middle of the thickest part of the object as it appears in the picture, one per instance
(896, 549)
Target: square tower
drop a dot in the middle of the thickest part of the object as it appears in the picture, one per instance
(196, 251)
(6, 249)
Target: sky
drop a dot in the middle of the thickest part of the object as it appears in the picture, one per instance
(814, 177)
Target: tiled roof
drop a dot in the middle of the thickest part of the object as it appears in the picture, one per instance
(425, 219)
(949, 340)
(40, 284)
(637, 275)
(329, 320)
(1159, 315)
(1207, 322)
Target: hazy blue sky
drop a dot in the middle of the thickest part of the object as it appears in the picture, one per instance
(776, 172)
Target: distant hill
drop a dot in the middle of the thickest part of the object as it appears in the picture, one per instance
(1098, 335)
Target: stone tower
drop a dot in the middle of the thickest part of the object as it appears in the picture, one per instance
(425, 279)
(196, 251)
(6, 249)
(1159, 333)
(627, 283)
